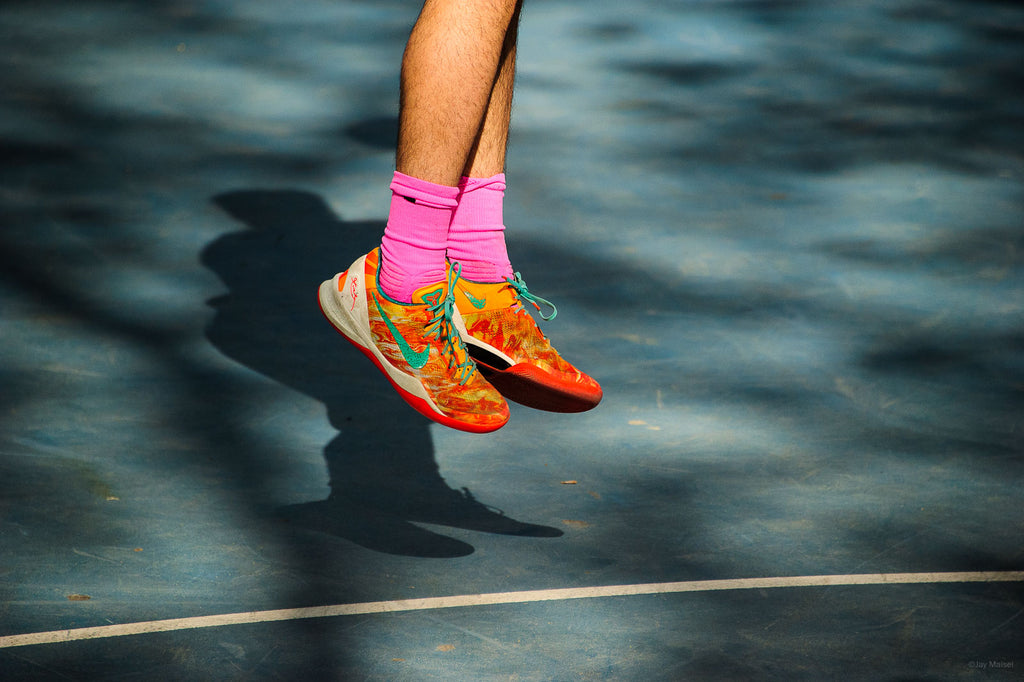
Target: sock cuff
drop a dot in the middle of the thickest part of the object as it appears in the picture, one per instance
(425, 193)
(495, 182)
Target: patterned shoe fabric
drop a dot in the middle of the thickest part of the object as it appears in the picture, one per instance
(417, 346)
(512, 352)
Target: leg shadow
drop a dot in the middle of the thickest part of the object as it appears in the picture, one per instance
(383, 475)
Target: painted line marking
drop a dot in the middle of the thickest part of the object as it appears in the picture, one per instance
(431, 603)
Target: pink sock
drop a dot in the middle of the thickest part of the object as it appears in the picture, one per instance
(416, 236)
(476, 239)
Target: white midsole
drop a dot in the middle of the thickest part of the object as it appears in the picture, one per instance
(477, 343)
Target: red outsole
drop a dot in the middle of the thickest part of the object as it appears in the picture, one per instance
(533, 387)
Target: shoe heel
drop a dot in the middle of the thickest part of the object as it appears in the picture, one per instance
(340, 317)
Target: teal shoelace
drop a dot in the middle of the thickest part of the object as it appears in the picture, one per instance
(441, 327)
(524, 293)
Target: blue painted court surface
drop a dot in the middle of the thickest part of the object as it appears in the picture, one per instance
(787, 237)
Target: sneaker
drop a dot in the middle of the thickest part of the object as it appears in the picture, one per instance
(513, 354)
(417, 346)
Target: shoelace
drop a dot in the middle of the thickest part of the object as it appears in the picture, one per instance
(441, 327)
(519, 285)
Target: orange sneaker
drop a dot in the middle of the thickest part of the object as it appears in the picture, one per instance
(513, 354)
(416, 346)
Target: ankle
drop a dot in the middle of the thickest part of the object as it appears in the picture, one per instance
(415, 239)
(476, 239)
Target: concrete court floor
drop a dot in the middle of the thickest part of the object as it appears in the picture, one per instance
(786, 236)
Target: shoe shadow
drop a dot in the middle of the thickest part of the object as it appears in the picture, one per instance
(383, 475)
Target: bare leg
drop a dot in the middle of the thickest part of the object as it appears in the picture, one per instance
(487, 157)
(456, 53)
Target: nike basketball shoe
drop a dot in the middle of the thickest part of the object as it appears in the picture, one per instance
(419, 346)
(513, 354)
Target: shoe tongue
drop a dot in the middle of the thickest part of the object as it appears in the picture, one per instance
(432, 294)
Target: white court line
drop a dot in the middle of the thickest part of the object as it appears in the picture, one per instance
(173, 624)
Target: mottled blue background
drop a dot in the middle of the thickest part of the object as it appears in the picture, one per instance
(786, 236)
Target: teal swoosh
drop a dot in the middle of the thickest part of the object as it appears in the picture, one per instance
(478, 303)
(415, 359)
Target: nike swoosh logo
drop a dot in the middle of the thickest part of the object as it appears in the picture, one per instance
(416, 360)
(478, 303)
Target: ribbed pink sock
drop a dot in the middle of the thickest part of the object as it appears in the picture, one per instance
(476, 239)
(416, 236)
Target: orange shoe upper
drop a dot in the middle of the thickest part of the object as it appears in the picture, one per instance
(418, 339)
(494, 314)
